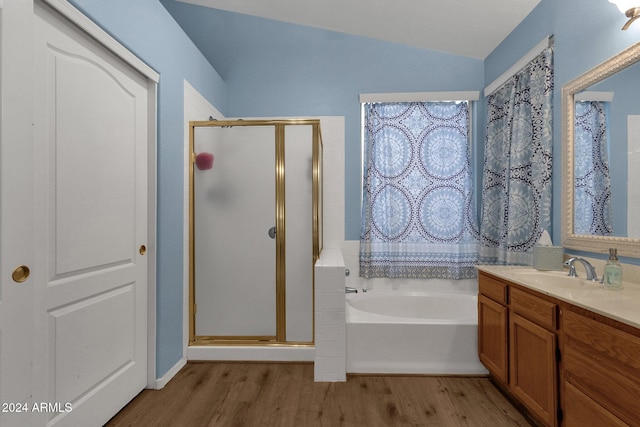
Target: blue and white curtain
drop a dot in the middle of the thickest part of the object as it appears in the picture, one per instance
(592, 182)
(418, 217)
(516, 189)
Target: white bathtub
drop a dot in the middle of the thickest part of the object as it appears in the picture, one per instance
(407, 332)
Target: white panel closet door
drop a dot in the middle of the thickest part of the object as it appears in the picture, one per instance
(90, 221)
(16, 207)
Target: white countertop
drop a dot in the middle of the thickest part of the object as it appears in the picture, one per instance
(622, 305)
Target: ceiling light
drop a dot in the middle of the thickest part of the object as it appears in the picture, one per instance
(630, 8)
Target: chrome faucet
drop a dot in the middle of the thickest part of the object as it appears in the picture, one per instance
(590, 269)
(350, 290)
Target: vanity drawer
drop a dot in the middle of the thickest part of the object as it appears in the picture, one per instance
(611, 342)
(492, 288)
(533, 308)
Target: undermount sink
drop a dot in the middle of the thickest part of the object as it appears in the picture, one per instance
(555, 279)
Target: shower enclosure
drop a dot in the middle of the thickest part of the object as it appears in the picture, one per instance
(255, 230)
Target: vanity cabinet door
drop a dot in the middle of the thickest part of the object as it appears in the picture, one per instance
(492, 337)
(533, 373)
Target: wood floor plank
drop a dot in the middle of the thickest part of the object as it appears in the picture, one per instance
(284, 394)
(479, 398)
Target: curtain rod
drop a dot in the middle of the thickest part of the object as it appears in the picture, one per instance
(419, 96)
(546, 42)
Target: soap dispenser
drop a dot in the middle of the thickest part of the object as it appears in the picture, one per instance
(613, 271)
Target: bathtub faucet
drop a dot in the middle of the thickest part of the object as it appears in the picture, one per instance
(350, 290)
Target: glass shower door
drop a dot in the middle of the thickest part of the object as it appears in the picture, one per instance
(234, 243)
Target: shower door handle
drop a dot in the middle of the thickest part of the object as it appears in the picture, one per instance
(272, 232)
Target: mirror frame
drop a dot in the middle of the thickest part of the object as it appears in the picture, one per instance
(600, 244)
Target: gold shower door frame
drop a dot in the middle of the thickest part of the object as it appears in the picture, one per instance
(279, 128)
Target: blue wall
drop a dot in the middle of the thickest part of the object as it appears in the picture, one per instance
(277, 69)
(271, 69)
(274, 68)
(586, 33)
(145, 28)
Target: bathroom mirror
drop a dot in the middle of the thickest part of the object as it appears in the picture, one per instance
(607, 88)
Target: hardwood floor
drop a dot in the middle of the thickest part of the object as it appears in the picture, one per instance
(284, 394)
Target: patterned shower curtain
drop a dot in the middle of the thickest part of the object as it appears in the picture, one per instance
(418, 217)
(516, 189)
(592, 198)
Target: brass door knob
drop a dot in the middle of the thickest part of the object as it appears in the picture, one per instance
(20, 274)
(143, 249)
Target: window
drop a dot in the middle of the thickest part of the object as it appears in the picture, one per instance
(418, 213)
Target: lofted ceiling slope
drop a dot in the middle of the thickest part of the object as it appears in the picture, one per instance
(472, 28)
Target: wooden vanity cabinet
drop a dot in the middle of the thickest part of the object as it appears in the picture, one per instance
(493, 344)
(492, 338)
(517, 343)
(601, 370)
(533, 354)
(547, 353)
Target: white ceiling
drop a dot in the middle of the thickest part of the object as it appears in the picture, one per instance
(471, 28)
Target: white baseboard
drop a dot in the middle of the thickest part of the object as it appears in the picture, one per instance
(162, 381)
